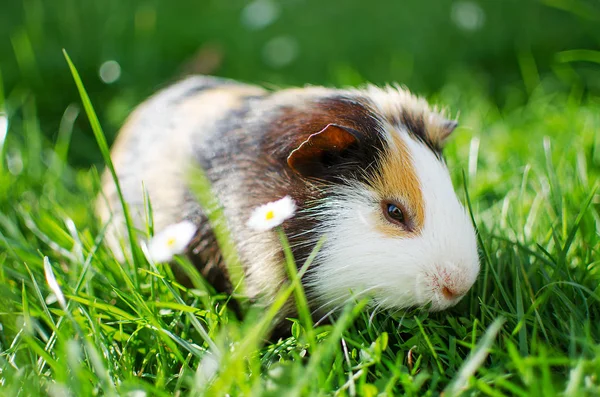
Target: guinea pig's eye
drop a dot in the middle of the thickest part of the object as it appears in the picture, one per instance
(394, 213)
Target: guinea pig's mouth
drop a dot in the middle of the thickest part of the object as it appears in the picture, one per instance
(442, 301)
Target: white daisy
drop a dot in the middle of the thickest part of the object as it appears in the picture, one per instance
(272, 214)
(171, 241)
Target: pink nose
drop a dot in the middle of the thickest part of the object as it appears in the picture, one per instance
(450, 285)
(449, 293)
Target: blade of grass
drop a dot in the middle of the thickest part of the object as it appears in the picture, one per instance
(301, 302)
(200, 186)
(103, 145)
(475, 359)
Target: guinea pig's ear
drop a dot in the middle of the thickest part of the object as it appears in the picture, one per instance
(320, 149)
(442, 130)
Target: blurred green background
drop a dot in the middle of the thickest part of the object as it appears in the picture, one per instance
(125, 50)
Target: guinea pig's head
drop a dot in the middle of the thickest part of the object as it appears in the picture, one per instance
(394, 228)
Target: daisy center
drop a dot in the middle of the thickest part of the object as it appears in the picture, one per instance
(171, 242)
(270, 215)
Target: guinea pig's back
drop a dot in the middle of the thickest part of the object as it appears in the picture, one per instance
(155, 149)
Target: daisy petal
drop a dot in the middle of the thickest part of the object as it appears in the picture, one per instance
(171, 241)
(272, 214)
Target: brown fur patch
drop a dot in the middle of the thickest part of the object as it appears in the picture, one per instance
(332, 138)
(305, 116)
(398, 181)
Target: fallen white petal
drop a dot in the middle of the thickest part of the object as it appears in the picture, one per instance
(3, 128)
(53, 284)
(207, 369)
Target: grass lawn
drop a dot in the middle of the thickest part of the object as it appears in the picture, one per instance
(529, 326)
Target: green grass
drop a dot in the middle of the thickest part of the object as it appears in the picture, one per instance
(529, 326)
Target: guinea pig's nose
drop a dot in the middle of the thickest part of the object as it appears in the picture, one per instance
(450, 288)
(449, 293)
(449, 283)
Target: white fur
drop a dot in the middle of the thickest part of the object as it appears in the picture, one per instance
(396, 272)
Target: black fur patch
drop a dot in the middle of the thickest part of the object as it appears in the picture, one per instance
(416, 126)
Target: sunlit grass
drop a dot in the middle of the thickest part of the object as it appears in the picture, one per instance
(528, 327)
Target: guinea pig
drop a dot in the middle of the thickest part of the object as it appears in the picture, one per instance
(364, 167)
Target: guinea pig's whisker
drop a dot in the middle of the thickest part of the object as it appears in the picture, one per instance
(301, 243)
(325, 316)
(381, 306)
(345, 301)
(331, 311)
(328, 303)
(334, 309)
(399, 321)
(376, 309)
(389, 315)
